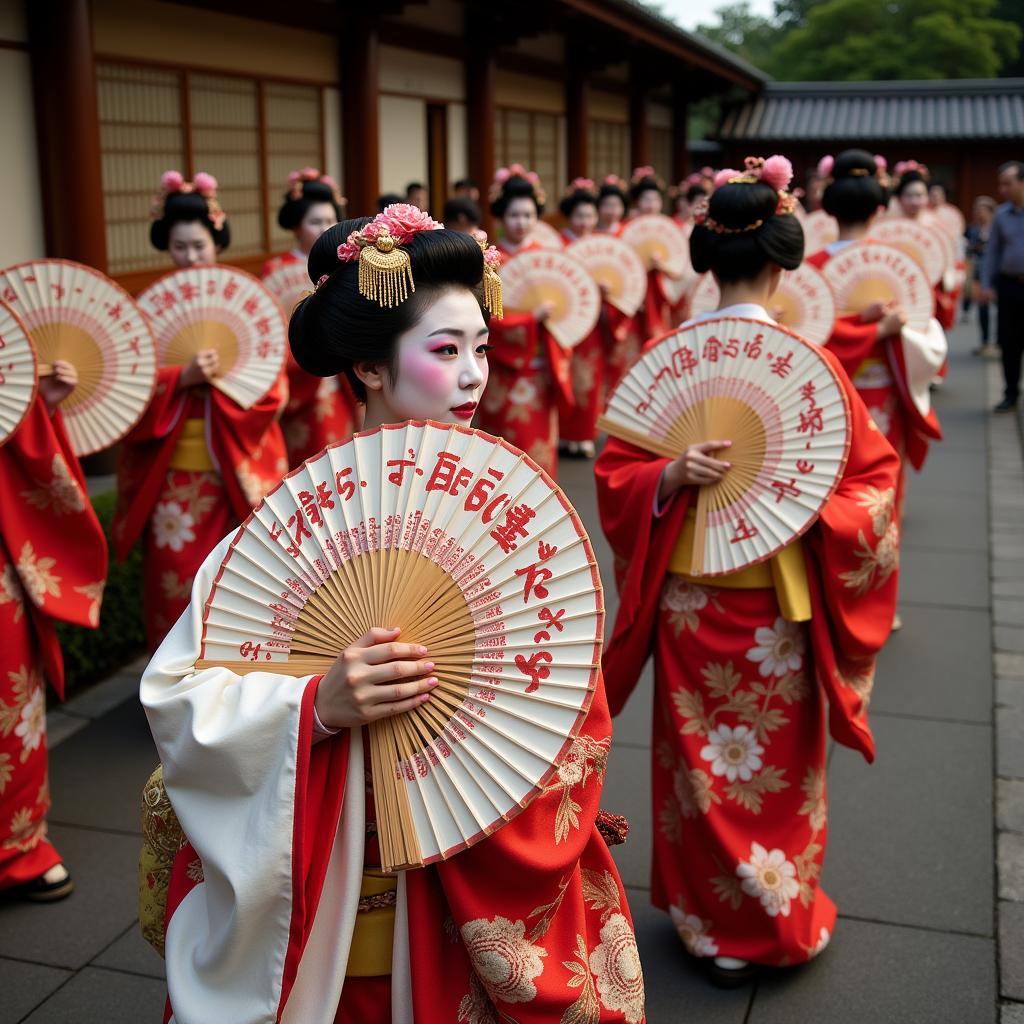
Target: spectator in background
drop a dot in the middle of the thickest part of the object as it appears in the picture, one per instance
(416, 195)
(1002, 277)
(461, 214)
(388, 199)
(936, 195)
(466, 188)
(976, 238)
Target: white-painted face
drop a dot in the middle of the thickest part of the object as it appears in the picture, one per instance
(441, 366)
(583, 220)
(611, 210)
(913, 199)
(649, 201)
(190, 244)
(520, 219)
(319, 217)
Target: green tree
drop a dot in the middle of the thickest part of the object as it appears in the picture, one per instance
(748, 35)
(1012, 10)
(864, 40)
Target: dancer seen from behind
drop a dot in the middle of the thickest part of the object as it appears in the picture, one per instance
(319, 411)
(750, 665)
(278, 909)
(197, 462)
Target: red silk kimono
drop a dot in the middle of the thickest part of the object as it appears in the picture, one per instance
(878, 371)
(181, 514)
(53, 565)
(320, 410)
(742, 697)
(529, 374)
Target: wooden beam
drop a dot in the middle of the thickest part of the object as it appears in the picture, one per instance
(639, 127)
(577, 120)
(67, 130)
(481, 110)
(360, 112)
(680, 130)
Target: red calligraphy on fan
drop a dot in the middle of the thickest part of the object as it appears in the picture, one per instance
(712, 349)
(744, 531)
(399, 466)
(752, 349)
(534, 668)
(447, 475)
(684, 361)
(479, 497)
(537, 574)
(251, 306)
(301, 530)
(509, 533)
(812, 418)
(781, 366)
(786, 489)
(230, 290)
(188, 291)
(553, 620)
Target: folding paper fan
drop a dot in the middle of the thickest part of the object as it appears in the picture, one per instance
(18, 380)
(227, 309)
(74, 313)
(615, 267)
(657, 238)
(867, 272)
(803, 302)
(288, 283)
(950, 219)
(677, 288)
(820, 229)
(771, 393)
(925, 244)
(464, 543)
(544, 235)
(536, 276)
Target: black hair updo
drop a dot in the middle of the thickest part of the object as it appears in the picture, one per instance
(293, 210)
(908, 178)
(577, 197)
(186, 208)
(642, 185)
(741, 251)
(611, 188)
(854, 194)
(335, 327)
(516, 187)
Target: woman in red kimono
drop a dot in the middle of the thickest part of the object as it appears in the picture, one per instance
(646, 196)
(529, 370)
(745, 664)
(319, 411)
(278, 909)
(611, 205)
(871, 344)
(53, 564)
(197, 462)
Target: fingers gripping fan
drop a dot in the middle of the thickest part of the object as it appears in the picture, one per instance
(288, 284)
(460, 540)
(75, 314)
(532, 278)
(773, 395)
(615, 267)
(226, 309)
(17, 372)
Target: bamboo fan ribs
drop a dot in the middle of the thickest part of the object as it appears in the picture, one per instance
(18, 381)
(463, 543)
(769, 392)
(288, 284)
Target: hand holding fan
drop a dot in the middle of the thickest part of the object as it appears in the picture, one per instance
(74, 313)
(18, 382)
(656, 239)
(288, 283)
(460, 540)
(226, 309)
(804, 300)
(615, 267)
(531, 278)
(779, 401)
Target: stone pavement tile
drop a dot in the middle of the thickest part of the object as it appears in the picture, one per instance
(1010, 742)
(1010, 693)
(132, 953)
(949, 472)
(1011, 866)
(627, 790)
(1007, 612)
(105, 696)
(957, 522)
(24, 986)
(678, 991)
(1011, 950)
(1011, 1013)
(1010, 666)
(1010, 805)
(883, 973)
(938, 665)
(1007, 568)
(910, 837)
(60, 727)
(97, 776)
(958, 579)
(1008, 588)
(1008, 638)
(96, 996)
(105, 902)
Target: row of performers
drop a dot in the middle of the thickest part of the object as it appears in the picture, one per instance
(739, 769)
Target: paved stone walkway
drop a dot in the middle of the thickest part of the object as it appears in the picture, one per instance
(910, 861)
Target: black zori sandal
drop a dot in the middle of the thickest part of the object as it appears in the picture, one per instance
(39, 890)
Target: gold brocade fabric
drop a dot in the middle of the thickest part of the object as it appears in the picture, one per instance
(786, 572)
(191, 452)
(374, 934)
(161, 837)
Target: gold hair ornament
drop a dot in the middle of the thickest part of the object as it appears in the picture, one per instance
(385, 271)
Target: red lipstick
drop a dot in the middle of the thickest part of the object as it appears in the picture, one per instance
(466, 411)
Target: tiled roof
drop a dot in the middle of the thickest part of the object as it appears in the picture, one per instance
(875, 111)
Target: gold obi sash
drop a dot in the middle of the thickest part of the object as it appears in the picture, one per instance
(191, 451)
(374, 934)
(786, 572)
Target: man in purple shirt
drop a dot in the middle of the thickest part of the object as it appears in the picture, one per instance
(1002, 277)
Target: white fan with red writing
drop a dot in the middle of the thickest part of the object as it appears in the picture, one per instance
(677, 288)
(546, 236)
(928, 245)
(463, 542)
(615, 267)
(75, 314)
(775, 397)
(226, 309)
(288, 283)
(657, 240)
(820, 229)
(18, 382)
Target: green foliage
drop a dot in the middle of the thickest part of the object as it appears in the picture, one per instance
(92, 654)
(871, 40)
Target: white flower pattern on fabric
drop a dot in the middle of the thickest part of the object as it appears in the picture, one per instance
(172, 526)
(779, 649)
(32, 725)
(680, 596)
(733, 752)
(769, 877)
(693, 931)
(615, 963)
(503, 958)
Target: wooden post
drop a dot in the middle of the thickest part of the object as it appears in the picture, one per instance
(639, 129)
(360, 113)
(68, 131)
(480, 117)
(680, 130)
(577, 119)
